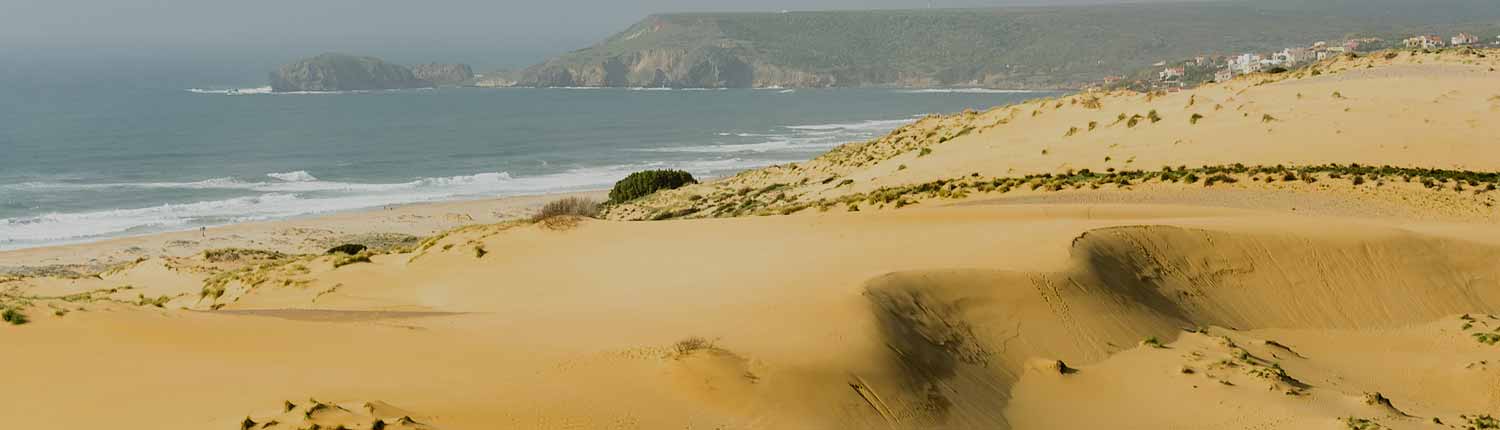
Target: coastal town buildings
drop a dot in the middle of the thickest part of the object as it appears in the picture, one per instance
(1425, 42)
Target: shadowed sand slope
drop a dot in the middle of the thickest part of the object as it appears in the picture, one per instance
(967, 335)
(941, 323)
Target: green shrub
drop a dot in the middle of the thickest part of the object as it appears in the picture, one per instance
(347, 249)
(641, 184)
(14, 317)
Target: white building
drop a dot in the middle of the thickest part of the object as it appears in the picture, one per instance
(1425, 42)
(1464, 39)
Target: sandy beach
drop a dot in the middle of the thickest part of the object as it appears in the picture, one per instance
(1306, 250)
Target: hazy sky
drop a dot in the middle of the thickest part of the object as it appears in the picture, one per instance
(486, 32)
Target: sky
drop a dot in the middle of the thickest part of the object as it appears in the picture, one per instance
(486, 33)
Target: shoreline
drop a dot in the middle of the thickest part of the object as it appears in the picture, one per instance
(298, 235)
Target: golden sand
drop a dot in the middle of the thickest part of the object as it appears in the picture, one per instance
(1296, 304)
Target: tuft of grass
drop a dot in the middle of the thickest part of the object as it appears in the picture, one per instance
(1481, 422)
(1092, 102)
(1153, 342)
(1267, 118)
(691, 345)
(901, 167)
(14, 316)
(1194, 119)
(1219, 178)
(1093, 125)
(1153, 116)
(1071, 131)
(345, 260)
(924, 152)
(571, 206)
(1353, 423)
(1487, 338)
(479, 251)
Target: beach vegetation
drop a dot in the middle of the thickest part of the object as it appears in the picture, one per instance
(1353, 423)
(1153, 342)
(1480, 422)
(571, 206)
(1153, 116)
(1194, 119)
(1487, 338)
(691, 345)
(924, 152)
(13, 316)
(347, 249)
(644, 183)
(221, 255)
(1219, 178)
(345, 260)
(1093, 125)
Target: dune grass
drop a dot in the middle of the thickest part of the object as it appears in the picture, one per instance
(727, 205)
(571, 206)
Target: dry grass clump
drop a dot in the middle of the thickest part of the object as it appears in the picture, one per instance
(222, 255)
(14, 316)
(571, 206)
(691, 345)
(345, 260)
(1194, 119)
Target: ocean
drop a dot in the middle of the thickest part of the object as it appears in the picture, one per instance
(83, 163)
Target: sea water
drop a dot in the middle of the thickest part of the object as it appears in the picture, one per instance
(82, 163)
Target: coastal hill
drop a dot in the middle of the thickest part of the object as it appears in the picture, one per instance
(1030, 47)
(341, 72)
(1306, 250)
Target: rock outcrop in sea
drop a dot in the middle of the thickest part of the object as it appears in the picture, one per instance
(340, 72)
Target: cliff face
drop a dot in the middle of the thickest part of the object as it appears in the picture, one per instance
(1019, 48)
(708, 67)
(443, 74)
(338, 72)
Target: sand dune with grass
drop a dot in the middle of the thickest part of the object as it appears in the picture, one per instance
(1272, 290)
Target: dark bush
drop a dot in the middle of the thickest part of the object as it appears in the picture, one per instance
(14, 317)
(641, 184)
(348, 248)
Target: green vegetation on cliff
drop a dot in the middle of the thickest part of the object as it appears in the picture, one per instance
(1002, 47)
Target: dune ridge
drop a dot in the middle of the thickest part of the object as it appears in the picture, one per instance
(1351, 284)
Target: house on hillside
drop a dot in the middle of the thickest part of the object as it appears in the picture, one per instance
(1223, 75)
(1172, 73)
(1463, 39)
(1246, 64)
(1292, 56)
(1425, 42)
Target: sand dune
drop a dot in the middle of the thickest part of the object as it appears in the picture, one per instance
(1256, 304)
